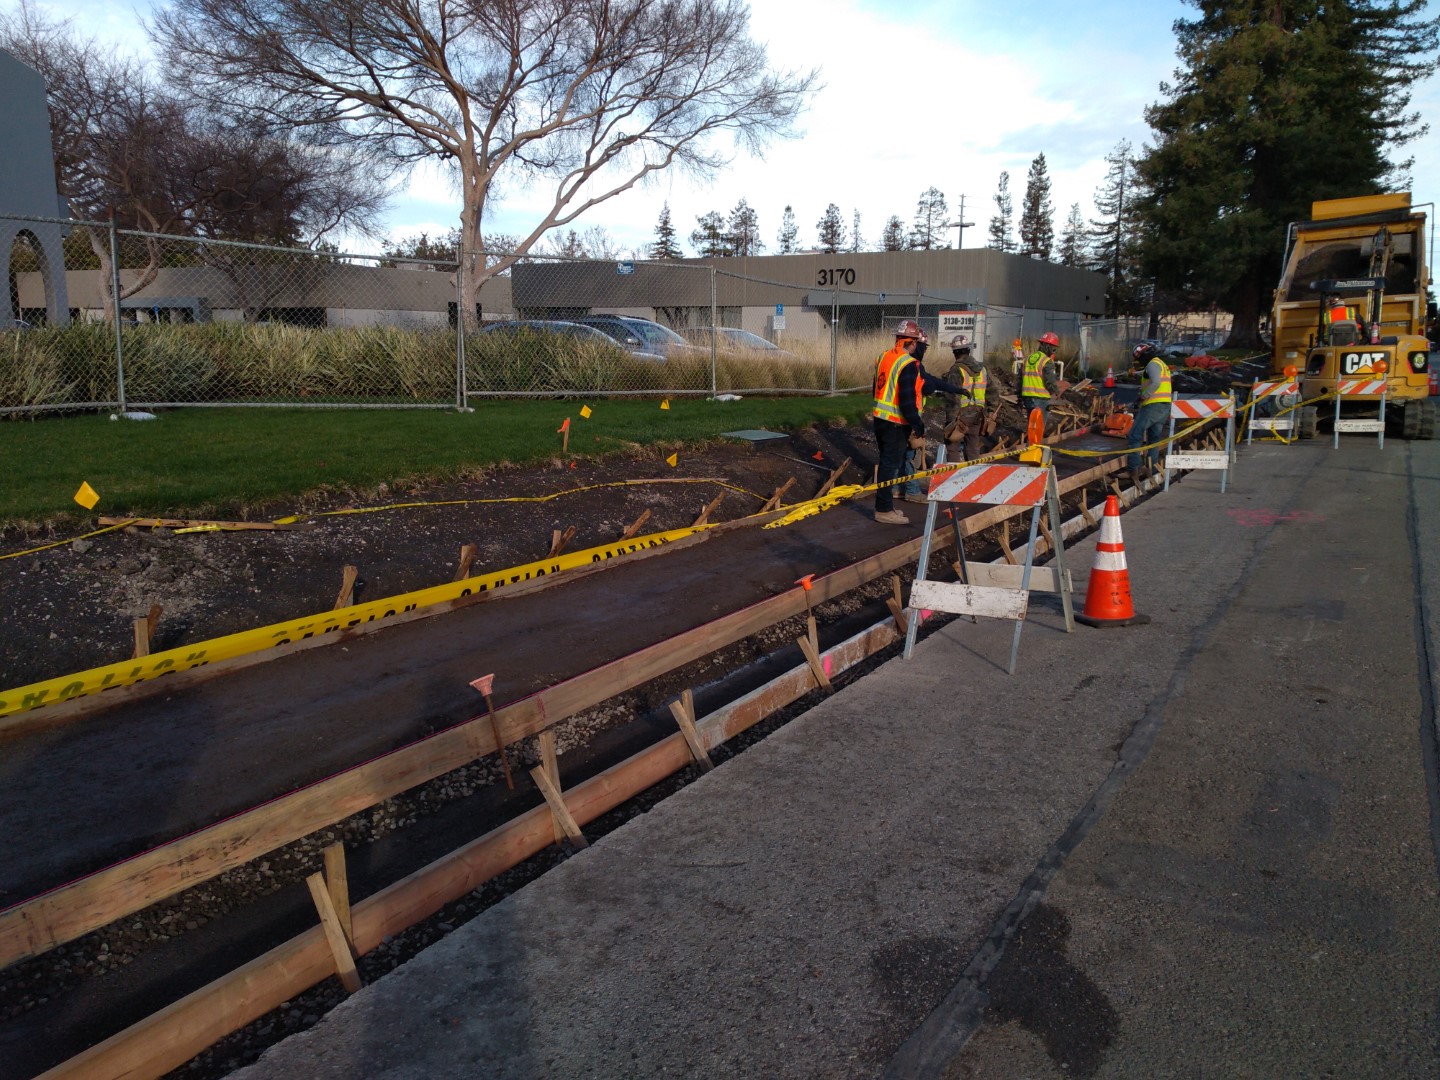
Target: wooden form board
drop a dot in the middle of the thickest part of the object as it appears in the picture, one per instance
(956, 599)
(100, 898)
(1198, 459)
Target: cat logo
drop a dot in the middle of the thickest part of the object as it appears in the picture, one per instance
(1352, 363)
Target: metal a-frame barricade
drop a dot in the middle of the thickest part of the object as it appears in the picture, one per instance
(993, 590)
(1265, 388)
(1364, 386)
(1202, 408)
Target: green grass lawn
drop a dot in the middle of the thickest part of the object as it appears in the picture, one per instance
(217, 462)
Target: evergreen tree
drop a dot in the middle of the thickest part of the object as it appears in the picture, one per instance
(665, 246)
(1072, 240)
(1115, 234)
(1000, 238)
(931, 214)
(831, 228)
(1037, 216)
(789, 232)
(856, 243)
(893, 238)
(744, 230)
(1274, 105)
(709, 240)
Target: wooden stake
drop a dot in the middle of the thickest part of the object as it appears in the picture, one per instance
(709, 509)
(774, 500)
(565, 439)
(1005, 542)
(558, 808)
(683, 709)
(337, 884)
(559, 540)
(145, 631)
(1045, 528)
(467, 556)
(636, 525)
(834, 476)
(550, 763)
(897, 606)
(499, 742)
(347, 588)
(812, 656)
(1085, 508)
(334, 937)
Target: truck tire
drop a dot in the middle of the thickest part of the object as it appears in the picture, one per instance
(1427, 410)
(1410, 420)
(1308, 423)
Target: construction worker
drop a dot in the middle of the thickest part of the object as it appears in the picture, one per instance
(1336, 312)
(969, 373)
(901, 383)
(1040, 378)
(1152, 414)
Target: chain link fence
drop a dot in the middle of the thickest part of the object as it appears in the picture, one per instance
(107, 318)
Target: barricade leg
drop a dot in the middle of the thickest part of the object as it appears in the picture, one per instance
(1336, 444)
(931, 509)
(1383, 396)
(1025, 582)
(1170, 443)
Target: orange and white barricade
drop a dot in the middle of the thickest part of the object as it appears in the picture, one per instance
(1360, 388)
(1264, 388)
(1198, 409)
(993, 590)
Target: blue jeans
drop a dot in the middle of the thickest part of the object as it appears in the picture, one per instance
(913, 487)
(1151, 424)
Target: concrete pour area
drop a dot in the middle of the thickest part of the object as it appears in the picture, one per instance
(1217, 829)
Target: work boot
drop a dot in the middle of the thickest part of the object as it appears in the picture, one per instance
(891, 517)
(921, 499)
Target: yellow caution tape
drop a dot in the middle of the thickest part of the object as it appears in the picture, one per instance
(128, 672)
(62, 543)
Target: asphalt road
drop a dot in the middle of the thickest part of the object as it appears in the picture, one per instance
(1202, 847)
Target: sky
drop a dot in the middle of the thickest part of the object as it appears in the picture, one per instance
(945, 94)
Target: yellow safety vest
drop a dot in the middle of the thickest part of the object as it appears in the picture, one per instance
(887, 386)
(1032, 383)
(975, 384)
(1162, 395)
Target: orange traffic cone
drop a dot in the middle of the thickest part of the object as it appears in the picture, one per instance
(1109, 377)
(1107, 597)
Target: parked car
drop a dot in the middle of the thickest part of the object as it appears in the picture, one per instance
(636, 333)
(564, 329)
(736, 340)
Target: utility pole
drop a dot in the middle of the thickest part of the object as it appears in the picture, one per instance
(960, 225)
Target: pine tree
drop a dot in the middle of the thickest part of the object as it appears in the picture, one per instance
(1072, 240)
(665, 246)
(1114, 235)
(831, 228)
(931, 214)
(1037, 216)
(789, 232)
(856, 243)
(1000, 238)
(744, 230)
(1274, 105)
(893, 238)
(709, 240)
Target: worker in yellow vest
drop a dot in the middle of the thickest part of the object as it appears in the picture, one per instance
(1040, 378)
(967, 372)
(1152, 415)
(901, 383)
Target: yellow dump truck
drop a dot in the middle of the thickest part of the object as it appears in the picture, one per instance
(1351, 298)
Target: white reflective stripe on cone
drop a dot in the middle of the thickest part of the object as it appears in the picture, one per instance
(1110, 530)
(1109, 560)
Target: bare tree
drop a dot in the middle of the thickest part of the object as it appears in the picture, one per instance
(591, 96)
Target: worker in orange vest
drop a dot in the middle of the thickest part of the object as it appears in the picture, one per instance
(901, 383)
(1335, 312)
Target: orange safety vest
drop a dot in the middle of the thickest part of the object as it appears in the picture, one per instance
(887, 386)
(1162, 394)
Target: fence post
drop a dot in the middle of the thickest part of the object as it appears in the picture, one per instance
(714, 335)
(462, 395)
(115, 298)
(834, 335)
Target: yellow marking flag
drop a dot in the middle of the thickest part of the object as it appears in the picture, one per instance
(665, 403)
(673, 459)
(585, 411)
(87, 496)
